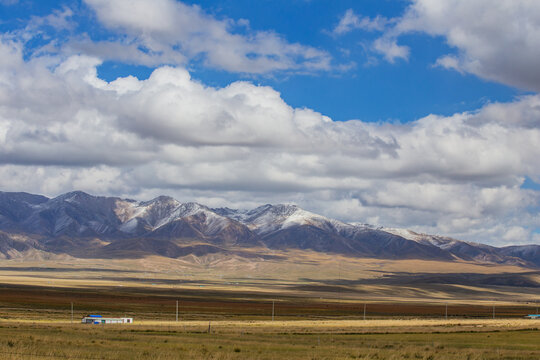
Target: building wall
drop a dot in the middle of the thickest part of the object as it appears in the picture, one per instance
(96, 320)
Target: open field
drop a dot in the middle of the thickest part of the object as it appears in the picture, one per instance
(319, 309)
(226, 289)
(301, 274)
(35, 303)
(392, 339)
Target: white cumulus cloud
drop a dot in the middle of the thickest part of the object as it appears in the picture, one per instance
(496, 40)
(64, 128)
(171, 32)
(350, 21)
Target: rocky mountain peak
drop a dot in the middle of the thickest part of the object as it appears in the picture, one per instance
(74, 196)
(164, 220)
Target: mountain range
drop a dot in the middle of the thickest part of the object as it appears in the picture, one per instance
(84, 226)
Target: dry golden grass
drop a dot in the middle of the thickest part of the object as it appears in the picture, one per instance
(264, 340)
(297, 273)
(318, 326)
(323, 294)
(382, 324)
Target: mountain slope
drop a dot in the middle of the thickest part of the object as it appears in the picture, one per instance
(73, 214)
(288, 226)
(16, 207)
(530, 253)
(82, 225)
(468, 250)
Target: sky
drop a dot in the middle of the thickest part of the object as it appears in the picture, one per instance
(416, 114)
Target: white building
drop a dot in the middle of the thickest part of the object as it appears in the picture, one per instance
(98, 319)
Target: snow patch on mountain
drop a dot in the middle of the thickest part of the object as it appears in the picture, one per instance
(78, 214)
(164, 210)
(268, 218)
(438, 241)
(442, 242)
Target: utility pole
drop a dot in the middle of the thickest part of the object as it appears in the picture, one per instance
(339, 280)
(494, 311)
(72, 312)
(273, 306)
(446, 312)
(364, 311)
(176, 310)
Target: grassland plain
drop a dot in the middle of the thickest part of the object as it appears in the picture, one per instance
(319, 309)
(296, 274)
(286, 340)
(35, 323)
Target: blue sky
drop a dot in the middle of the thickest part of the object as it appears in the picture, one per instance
(371, 90)
(403, 91)
(415, 114)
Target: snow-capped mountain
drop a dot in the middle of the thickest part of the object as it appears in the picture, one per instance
(77, 214)
(463, 249)
(80, 224)
(288, 227)
(157, 214)
(71, 214)
(268, 218)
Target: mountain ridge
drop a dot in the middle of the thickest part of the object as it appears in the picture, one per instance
(79, 224)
